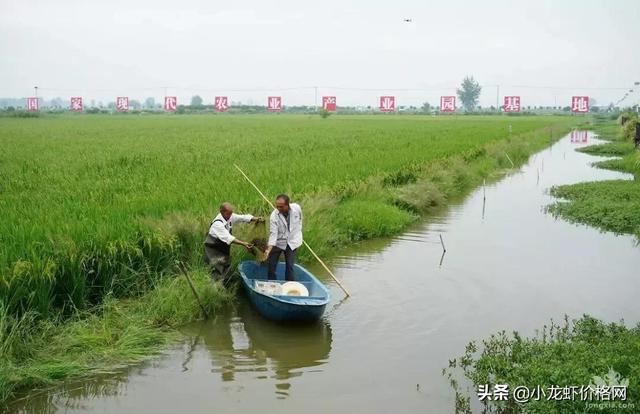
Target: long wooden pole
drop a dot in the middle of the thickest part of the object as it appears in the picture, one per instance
(305, 243)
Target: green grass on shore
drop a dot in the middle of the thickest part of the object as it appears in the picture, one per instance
(570, 354)
(36, 352)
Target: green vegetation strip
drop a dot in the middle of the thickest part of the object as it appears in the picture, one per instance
(565, 355)
(99, 210)
(608, 205)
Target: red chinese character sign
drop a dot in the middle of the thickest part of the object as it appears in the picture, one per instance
(387, 103)
(329, 103)
(447, 104)
(170, 103)
(511, 104)
(76, 104)
(580, 104)
(221, 103)
(32, 104)
(122, 103)
(274, 103)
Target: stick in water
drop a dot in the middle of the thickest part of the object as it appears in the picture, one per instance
(442, 243)
(305, 243)
(509, 158)
(193, 289)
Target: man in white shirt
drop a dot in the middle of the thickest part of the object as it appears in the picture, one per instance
(217, 244)
(285, 235)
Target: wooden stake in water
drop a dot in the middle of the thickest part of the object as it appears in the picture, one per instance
(484, 195)
(305, 243)
(442, 243)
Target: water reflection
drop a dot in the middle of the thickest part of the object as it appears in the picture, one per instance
(579, 137)
(73, 396)
(243, 342)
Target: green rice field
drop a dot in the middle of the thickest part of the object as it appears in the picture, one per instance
(106, 204)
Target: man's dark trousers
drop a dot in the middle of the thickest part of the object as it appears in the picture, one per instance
(289, 258)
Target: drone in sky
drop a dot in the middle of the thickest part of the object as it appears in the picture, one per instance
(406, 20)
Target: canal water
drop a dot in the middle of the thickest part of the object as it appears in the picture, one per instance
(508, 265)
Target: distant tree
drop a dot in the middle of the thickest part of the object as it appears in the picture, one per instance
(196, 100)
(149, 103)
(110, 105)
(469, 93)
(135, 104)
(426, 107)
(324, 114)
(56, 102)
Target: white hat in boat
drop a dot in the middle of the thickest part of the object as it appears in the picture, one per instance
(294, 289)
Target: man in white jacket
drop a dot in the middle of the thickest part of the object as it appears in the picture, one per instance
(217, 244)
(285, 235)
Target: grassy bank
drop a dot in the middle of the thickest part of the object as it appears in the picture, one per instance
(36, 352)
(102, 209)
(608, 205)
(562, 355)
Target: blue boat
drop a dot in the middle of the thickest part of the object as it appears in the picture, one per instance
(282, 307)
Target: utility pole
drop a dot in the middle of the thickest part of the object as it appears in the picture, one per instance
(498, 98)
(315, 99)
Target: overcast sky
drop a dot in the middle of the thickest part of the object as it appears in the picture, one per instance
(544, 51)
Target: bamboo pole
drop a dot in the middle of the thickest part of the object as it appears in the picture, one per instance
(305, 243)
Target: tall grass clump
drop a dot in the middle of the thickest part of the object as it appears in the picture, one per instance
(36, 352)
